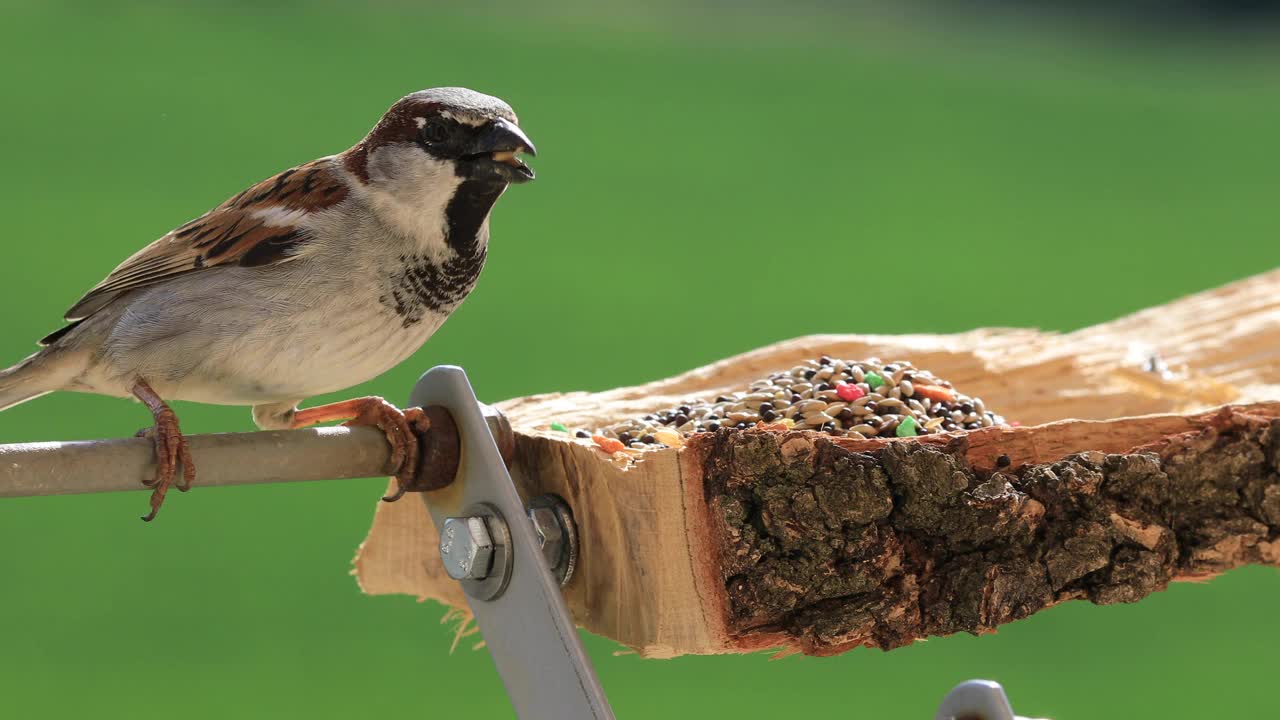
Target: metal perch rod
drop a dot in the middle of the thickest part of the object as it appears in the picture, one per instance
(65, 468)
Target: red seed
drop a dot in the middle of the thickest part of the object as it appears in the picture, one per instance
(935, 393)
(848, 392)
(608, 445)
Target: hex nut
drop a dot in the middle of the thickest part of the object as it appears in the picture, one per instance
(546, 526)
(557, 535)
(466, 547)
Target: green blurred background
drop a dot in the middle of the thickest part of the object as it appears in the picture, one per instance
(713, 178)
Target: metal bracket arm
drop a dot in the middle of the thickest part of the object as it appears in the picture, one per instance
(526, 624)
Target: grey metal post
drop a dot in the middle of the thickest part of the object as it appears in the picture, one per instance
(64, 468)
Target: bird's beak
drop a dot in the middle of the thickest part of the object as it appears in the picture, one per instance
(495, 148)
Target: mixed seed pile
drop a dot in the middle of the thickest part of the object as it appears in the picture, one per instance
(862, 399)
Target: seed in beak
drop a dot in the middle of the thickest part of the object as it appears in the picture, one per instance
(507, 156)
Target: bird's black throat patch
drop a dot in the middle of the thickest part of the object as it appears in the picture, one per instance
(466, 211)
(423, 285)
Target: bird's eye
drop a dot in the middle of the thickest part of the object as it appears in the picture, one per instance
(435, 131)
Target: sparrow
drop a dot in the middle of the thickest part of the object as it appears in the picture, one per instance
(309, 282)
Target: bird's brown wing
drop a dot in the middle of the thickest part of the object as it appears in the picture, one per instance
(257, 227)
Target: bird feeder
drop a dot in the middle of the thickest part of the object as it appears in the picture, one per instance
(1147, 451)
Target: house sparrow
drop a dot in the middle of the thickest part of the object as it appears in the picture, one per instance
(310, 282)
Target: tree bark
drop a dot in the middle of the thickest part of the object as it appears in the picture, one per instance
(822, 548)
(1148, 454)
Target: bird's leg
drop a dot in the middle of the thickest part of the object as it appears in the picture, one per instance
(171, 448)
(398, 425)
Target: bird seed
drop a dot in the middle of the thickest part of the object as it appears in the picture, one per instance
(843, 398)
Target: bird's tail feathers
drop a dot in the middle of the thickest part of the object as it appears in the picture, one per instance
(22, 382)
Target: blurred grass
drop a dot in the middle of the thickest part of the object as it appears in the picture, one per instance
(709, 182)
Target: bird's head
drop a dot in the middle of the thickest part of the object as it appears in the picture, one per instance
(444, 150)
(445, 131)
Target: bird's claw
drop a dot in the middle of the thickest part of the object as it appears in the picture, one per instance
(401, 489)
(401, 428)
(172, 451)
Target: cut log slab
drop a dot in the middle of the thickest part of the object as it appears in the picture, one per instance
(819, 547)
(1149, 452)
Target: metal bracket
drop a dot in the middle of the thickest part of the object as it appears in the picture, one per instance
(525, 622)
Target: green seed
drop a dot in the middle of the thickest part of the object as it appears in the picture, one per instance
(874, 380)
(907, 428)
(559, 428)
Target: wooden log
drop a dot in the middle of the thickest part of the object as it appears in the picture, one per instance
(1149, 453)
(820, 548)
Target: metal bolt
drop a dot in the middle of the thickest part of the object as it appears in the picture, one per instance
(550, 536)
(500, 428)
(557, 534)
(466, 547)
